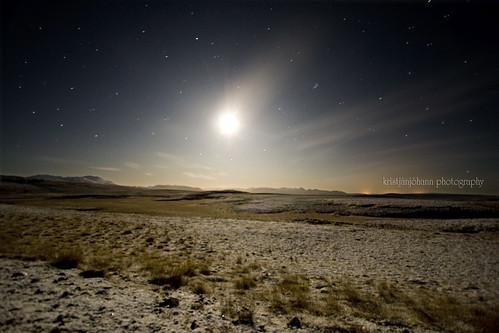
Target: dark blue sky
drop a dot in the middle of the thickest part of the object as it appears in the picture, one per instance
(331, 95)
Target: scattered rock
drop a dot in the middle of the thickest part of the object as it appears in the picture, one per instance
(92, 274)
(294, 323)
(62, 278)
(194, 325)
(59, 319)
(66, 263)
(18, 274)
(100, 292)
(169, 303)
(416, 281)
(244, 317)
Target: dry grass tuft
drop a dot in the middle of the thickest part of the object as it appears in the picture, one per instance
(200, 287)
(245, 316)
(245, 282)
(67, 259)
(291, 294)
(236, 312)
(171, 272)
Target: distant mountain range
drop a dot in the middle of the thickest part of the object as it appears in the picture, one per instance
(88, 182)
(84, 179)
(175, 187)
(11, 186)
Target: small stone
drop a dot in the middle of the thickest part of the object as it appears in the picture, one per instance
(92, 274)
(169, 303)
(294, 323)
(194, 325)
(59, 319)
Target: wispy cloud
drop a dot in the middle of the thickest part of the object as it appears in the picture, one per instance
(105, 168)
(197, 175)
(133, 165)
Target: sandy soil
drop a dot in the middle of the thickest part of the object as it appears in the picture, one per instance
(457, 257)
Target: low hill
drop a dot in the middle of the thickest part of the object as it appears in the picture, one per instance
(295, 191)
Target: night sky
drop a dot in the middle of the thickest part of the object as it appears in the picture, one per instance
(350, 96)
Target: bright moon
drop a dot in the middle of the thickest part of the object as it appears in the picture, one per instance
(228, 124)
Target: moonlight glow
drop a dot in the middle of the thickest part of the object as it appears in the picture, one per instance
(312, 94)
(228, 124)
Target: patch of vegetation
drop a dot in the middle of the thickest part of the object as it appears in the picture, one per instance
(237, 313)
(171, 272)
(67, 259)
(245, 317)
(200, 287)
(291, 294)
(245, 282)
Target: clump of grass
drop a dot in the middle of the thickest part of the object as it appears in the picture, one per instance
(245, 316)
(200, 287)
(291, 294)
(245, 282)
(245, 269)
(277, 302)
(240, 315)
(390, 294)
(297, 288)
(171, 273)
(228, 308)
(67, 259)
(204, 269)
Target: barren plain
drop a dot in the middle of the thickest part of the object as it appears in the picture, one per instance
(229, 261)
